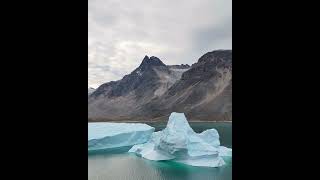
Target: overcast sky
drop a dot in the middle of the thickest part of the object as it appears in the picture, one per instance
(122, 32)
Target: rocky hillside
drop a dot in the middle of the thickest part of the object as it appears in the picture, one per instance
(154, 90)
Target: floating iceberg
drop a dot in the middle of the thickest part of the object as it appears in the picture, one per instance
(103, 136)
(178, 142)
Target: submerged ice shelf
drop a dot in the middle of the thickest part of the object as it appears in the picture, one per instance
(103, 136)
(178, 142)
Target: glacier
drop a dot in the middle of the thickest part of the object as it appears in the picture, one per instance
(178, 142)
(104, 136)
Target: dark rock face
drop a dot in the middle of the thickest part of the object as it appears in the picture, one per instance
(142, 77)
(153, 90)
(152, 61)
(198, 91)
(123, 99)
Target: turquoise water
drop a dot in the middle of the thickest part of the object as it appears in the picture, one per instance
(119, 165)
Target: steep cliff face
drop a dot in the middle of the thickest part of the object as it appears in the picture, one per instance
(154, 90)
(203, 92)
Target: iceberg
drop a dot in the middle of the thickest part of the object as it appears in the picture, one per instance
(178, 142)
(103, 136)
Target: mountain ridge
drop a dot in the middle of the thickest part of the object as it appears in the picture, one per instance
(202, 91)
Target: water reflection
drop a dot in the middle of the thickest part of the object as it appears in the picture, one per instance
(130, 167)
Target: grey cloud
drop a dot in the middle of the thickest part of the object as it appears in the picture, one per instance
(122, 32)
(214, 36)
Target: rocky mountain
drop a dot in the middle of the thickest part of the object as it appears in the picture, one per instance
(182, 66)
(154, 90)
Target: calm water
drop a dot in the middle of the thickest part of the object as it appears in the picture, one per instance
(118, 165)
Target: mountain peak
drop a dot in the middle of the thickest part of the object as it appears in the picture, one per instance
(146, 58)
(152, 61)
(217, 54)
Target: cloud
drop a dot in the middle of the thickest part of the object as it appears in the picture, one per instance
(121, 33)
